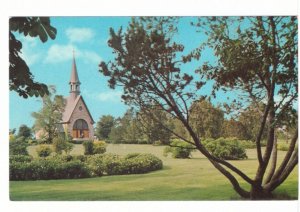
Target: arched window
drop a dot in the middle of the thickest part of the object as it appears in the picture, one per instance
(80, 129)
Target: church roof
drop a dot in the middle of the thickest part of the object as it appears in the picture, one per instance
(70, 107)
(74, 76)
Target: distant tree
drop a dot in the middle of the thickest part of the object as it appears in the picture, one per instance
(21, 79)
(250, 58)
(104, 126)
(12, 131)
(153, 130)
(179, 129)
(24, 131)
(49, 117)
(206, 119)
(233, 128)
(250, 118)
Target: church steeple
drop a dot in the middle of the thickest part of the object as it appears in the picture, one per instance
(74, 81)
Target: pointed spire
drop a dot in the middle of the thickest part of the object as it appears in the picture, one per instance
(74, 75)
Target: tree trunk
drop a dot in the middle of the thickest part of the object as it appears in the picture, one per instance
(258, 193)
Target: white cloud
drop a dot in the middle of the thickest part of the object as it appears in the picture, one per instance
(106, 96)
(112, 96)
(90, 56)
(28, 54)
(61, 53)
(79, 34)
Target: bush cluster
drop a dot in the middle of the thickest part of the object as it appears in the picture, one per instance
(67, 166)
(60, 145)
(133, 164)
(18, 147)
(20, 158)
(45, 169)
(226, 149)
(282, 147)
(179, 149)
(44, 150)
(94, 147)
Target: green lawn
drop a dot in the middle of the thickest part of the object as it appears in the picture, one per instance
(180, 179)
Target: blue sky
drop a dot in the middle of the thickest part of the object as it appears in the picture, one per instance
(50, 63)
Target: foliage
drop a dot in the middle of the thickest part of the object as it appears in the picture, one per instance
(99, 147)
(88, 147)
(226, 149)
(132, 164)
(179, 149)
(206, 119)
(43, 150)
(126, 129)
(18, 147)
(256, 56)
(21, 79)
(45, 169)
(104, 126)
(153, 123)
(96, 164)
(282, 147)
(24, 131)
(20, 158)
(67, 166)
(60, 145)
(47, 119)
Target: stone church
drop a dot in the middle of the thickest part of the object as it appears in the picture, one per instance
(77, 119)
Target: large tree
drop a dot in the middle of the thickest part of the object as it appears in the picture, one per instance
(21, 79)
(149, 65)
(48, 119)
(258, 57)
(104, 126)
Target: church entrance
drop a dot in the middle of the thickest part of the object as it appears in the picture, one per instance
(80, 129)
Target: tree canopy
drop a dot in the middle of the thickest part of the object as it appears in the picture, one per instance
(48, 119)
(255, 55)
(21, 79)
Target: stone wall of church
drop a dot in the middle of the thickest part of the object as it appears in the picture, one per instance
(80, 112)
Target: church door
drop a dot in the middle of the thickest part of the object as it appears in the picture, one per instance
(80, 129)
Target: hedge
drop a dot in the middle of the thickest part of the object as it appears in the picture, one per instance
(70, 167)
(226, 149)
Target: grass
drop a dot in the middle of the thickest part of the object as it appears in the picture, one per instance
(180, 179)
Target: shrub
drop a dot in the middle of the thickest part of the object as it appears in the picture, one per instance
(96, 164)
(45, 169)
(88, 147)
(20, 158)
(157, 143)
(133, 163)
(18, 147)
(282, 147)
(131, 155)
(43, 150)
(143, 163)
(142, 142)
(99, 147)
(179, 149)
(60, 145)
(226, 149)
